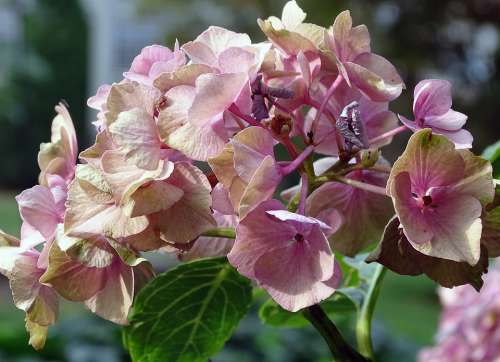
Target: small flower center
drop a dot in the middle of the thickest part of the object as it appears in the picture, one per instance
(299, 238)
(427, 200)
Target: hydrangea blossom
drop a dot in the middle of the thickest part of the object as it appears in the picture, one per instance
(432, 109)
(192, 147)
(272, 242)
(438, 194)
(469, 329)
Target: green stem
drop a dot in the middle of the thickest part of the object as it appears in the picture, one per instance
(340, 349)
(364, 322)
(229, 233)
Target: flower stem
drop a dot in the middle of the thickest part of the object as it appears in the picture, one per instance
(340, 349)
(297, 161)
(228, 233)
(249, 119)
(304, 189)
(354, 183)
(364, 322)
(388, 134)
(329, 93)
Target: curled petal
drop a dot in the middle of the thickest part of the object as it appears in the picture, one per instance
(375, 77)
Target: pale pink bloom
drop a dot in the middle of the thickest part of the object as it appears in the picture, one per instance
(469, 330)
(41, 210)
(287, 254)
(432, 109)
(100, 272)
(371, 74)
(247, 169)
(23, 268)
(59, 156)
(153, 61)
(236, 62)
(92, 210)
(196, 120)
(375, 116)
(198, 142)
(439, 193)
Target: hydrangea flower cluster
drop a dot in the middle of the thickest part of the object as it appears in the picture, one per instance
(469, 329)
(186, 149)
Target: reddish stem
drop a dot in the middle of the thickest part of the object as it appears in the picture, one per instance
(247, 118)
(388, 134)
(322, 107)
(297, 161)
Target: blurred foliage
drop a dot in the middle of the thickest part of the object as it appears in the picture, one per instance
(49, 65)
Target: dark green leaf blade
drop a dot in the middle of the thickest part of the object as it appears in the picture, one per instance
(187, 313)
(492, 154)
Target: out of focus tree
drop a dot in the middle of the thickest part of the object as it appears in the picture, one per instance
(49, 64)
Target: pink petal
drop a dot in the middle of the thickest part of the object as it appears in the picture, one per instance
(157, 196)
(37, 207)
(142, 63)
(461, 138)
(191, 215)
(221, 201)
(375, 77)
(258, 226)
(98, 102)
(251, 146)
(414, 224)
(113, 302)
(431, 161)
(431, 97)
(200, 53)
(262, 185)
(71, 279)
(305, 264)
(455, 225)
(214, 94)
(218, 39)
(125, 178)
(199, 142)
(450, 120)
(235, 60)
(136, 135)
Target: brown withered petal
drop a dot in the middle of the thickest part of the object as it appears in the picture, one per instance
(490, 236)
(397, 254)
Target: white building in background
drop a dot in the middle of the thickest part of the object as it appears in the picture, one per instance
(116, 35)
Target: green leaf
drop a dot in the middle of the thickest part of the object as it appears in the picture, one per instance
(187, 313)
(272, 314)
(492, 154)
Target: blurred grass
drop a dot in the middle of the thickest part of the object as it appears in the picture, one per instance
(10, 221)
(409, 308)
